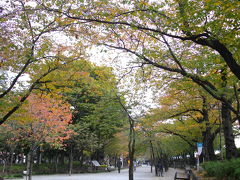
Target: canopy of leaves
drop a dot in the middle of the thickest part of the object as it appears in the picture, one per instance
(42, 120)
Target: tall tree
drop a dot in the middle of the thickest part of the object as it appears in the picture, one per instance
(97, 113)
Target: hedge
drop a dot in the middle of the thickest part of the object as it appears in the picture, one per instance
(223, 170)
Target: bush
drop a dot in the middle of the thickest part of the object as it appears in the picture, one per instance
(44, 168)
(104, 165)
(223, 170)
(13, 176)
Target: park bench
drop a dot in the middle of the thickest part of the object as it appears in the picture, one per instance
(188, 170)
(96, 166)
(181, 175)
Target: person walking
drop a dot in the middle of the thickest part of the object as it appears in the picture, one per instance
(119, 165)
(159, 169)
(134, 165)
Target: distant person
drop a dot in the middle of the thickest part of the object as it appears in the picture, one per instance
(119, 165)
(134, 165)
(159, 169)
(128, 163)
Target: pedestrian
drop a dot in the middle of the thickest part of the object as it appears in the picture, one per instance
(119, 165)
(159, 169)
(134, 165)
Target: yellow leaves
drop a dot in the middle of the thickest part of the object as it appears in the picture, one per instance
(197, 115)
(100, 73)
(217, 3)
(144, 3)
(63, 21)
(108, 18)
(58, 19)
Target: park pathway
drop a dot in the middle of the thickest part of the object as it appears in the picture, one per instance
(142, 173)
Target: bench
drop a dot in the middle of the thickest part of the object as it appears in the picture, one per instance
(188, 170)
(180, 175)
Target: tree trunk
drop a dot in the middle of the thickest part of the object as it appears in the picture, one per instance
(61, 159)
(10, 161)
(154, 158)
(81, 157)
(208, 147)
(151, 162)
(70, 160)
(131, 147)
(29, 165)
(56, 163)
(231, 150)
(131, 143)
(165, 162)
(208, 137)
(39, 155)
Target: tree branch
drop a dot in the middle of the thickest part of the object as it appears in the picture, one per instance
(16, 107)
(183, 112)
(181, 136)
(206, 85)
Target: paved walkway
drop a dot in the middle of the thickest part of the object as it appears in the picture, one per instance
(142, 173)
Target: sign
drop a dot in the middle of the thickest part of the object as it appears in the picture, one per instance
(95, 163)
(199, 147)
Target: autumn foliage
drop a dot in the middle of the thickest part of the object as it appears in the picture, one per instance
(45, 120)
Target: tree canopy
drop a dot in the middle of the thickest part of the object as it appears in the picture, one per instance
(185, 52)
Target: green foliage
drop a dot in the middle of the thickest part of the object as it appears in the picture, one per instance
(13, 176)
(229, 170)
(49, 168)
(46, 168)
(84, 138)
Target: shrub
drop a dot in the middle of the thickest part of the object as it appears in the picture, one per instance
(223, 170)
(44, 168)
(13, 176)
(104, 165)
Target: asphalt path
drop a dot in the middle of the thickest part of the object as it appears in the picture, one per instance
(141, 173)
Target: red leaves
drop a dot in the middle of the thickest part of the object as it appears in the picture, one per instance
(51, 118)
(44, 120)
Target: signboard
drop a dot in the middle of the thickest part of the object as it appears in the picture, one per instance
(95, 163)
(199, 147)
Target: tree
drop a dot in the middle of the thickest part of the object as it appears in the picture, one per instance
(177, 36)
(132, 135)
(183, 35)
(8, 145)
(27, 51)
(118, 145)
(97, 115)
(45, 120)
(194, 105)
(180, 20)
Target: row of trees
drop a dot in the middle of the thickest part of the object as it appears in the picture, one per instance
(52, 99)
(80, 115)
(186, 49)
(192, 44)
